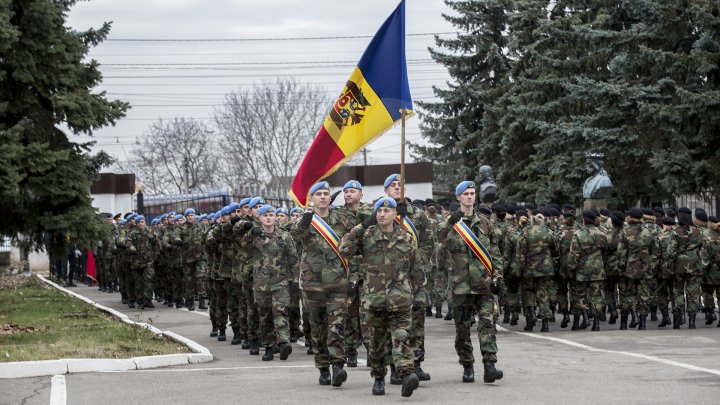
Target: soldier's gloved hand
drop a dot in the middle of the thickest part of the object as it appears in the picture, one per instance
(305, 220)
(178, 242)
(416, 305)
(455, 217)
(256, 231)
(402, 209)
(248, 225)
(352, 289)
(496, 286)
(370, 221)
(234, 220)
(132, 249)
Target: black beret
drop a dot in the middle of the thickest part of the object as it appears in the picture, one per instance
(670, 211)
(554, 212)
(659, 210)
(647, 211)
(617, 218)
(485, 210)
(521, 213)
(499, 208)
(668, 221)
(589, 215)
(555, 206)
(605, 212)
(429, 201)
(684, 210)
(635, 212)
(701, 215)
(567, 207)
(569, 214)
(713, 219)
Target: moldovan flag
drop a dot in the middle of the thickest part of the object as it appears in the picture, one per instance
(91, 268)
(370, 104)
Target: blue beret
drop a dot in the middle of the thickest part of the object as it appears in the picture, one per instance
(178, 217)
(390, 179)
(265, 209)
(108, 215)
(352, 184)
(225, 211)
(211, 216)
(201, 217)
(131, 216)
(219, 213)
(172, 213)
(283, 211)
(322, 185)
(255, 201)
(232, 207)
(163, 216)
(385, 202)
(464, 186)
(122, 222)
(295, 209)
(155, 221)
(139, 218)
(189, 211)
(244, 201)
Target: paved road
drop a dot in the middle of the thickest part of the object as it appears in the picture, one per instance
(561, 367)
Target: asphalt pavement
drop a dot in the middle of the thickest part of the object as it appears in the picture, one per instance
(656, 366)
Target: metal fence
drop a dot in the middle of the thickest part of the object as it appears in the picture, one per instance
(710, 203)
(5, 244)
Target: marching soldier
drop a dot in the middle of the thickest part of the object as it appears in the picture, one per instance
(685, 254)
(142, 247)
(665, 269)
(194, 262)
(710, 255)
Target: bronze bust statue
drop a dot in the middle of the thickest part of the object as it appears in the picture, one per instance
(598, 185)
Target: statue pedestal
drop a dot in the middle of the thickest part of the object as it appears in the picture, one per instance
(590, 203)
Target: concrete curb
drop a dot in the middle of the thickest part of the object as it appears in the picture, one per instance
(20, 369)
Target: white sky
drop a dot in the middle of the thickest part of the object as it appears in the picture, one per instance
(147, 81)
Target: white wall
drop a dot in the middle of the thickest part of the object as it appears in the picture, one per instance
(113, 203)
(39, 262)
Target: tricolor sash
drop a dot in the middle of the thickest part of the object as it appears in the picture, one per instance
(329, 235)
(407, 224)
(475, 245)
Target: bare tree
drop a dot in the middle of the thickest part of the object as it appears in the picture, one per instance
(176, 157)
(264, 133)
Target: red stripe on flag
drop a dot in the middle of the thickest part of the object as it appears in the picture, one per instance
(322, 157)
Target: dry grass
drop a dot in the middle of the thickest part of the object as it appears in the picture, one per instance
(40, 323)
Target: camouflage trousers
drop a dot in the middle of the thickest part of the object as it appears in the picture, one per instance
(709, 292)
(417, 334)
(687, 284)
(611, 286)
(251, 322)
(143, 280)
(353, 337)
(440, 284)
(537, 292)
(584, 295)
(226, 305)
(466, 305)
(389, 334)
(511, 294)
(176, 276)
(430, 286)
(127, 283)
(212, 311)
(561, 294)
(273, 316)
(100, 271)
(634, 294)
(294, 316)
(652, 286)
(326, 312)
(665, 292)
(194, 280)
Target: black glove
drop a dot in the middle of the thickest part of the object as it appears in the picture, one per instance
(455, 217)
(370, 221)
(334, 195)
(178, 242)
(248, 225)
(305, 220)
(416, 306)
(496, 286)
(234, 220)
(402, 209)
(256, 231)
(352, 289)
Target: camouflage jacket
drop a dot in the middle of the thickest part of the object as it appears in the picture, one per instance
(563, 238)
(536, 251)
(637, 253)
(613, 268)
(320, 267)
(272, 257)
(213, 251)
(588, 253)
(172, 245)
(512, 267)
(192, 235)
(393, 278)
(466, 274)
(685, 252)
(501, 229)
(666, 265)
(356, 217)
(710, 255)
(142, 246)
(242, 263)
(426, 237)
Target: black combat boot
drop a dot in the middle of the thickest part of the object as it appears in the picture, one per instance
(665, 318)
(713, 317)
(394, 377)
(591, 315)
(529, 319)
(643, 319)
(449, 316)
(379, 386)
(506, 315)
(596, 324)
(653, 312)
(352, 358)
(552, 313)
(410, 383)
(691, 320)
(247, 343)
(131, 304)
(324, 376)
(623, 320)
(310, 349)
(178, 303)
(237, 336)
(491, 373)
(613, 314)
(545, 326)
(514, 318)
(602, 314)
(420, 373)
(566, 318)
(683, 310)
(585, 322)
(269, 354)
(576, 322)
(149, 304)
(676, 319)
(438, 314)
(221, 335)
(468, 373)
(633, 318)
(190, 304)
(285, 350)
(214, 331)
(201, 303)
(254, 347)
(123, 300)
(718, 325)
(428, 311)
(339, 375)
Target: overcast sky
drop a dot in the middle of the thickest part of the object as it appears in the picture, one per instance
(189, 78)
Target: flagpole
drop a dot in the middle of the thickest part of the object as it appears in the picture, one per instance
(402, 157)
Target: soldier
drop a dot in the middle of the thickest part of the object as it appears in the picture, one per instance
(271, 258)
(324, 282)
(535, 254)
(213, 255)
(194, 259)
(710, 255)
(514, 271)
(665, 269)
(685, 254)
(223, 274)
(432, 298)
(637, 257)
(650, 280)
(414, 220)
(172, 245)
(142, 246)
(475, 274)
(390, 277)
(586, 262)
(613, 273)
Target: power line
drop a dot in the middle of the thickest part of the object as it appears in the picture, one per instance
(103, 84)
(409, 61)
(322, 38)
(241, 75)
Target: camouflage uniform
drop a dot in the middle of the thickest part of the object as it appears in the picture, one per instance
(194, 262)
(586, 262)
(324, 283)
(685, 254)
(392, 273)
(213, 255)
(470, 286)
(535, 255)
(513, 273)
(710, 255)
(243, 298)
(651, 277)
(224, 286)
(563, 236)
(637, 258)
(172, 246)
(613, 272)
(142, 246)
(272, 257)
(127, 287)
